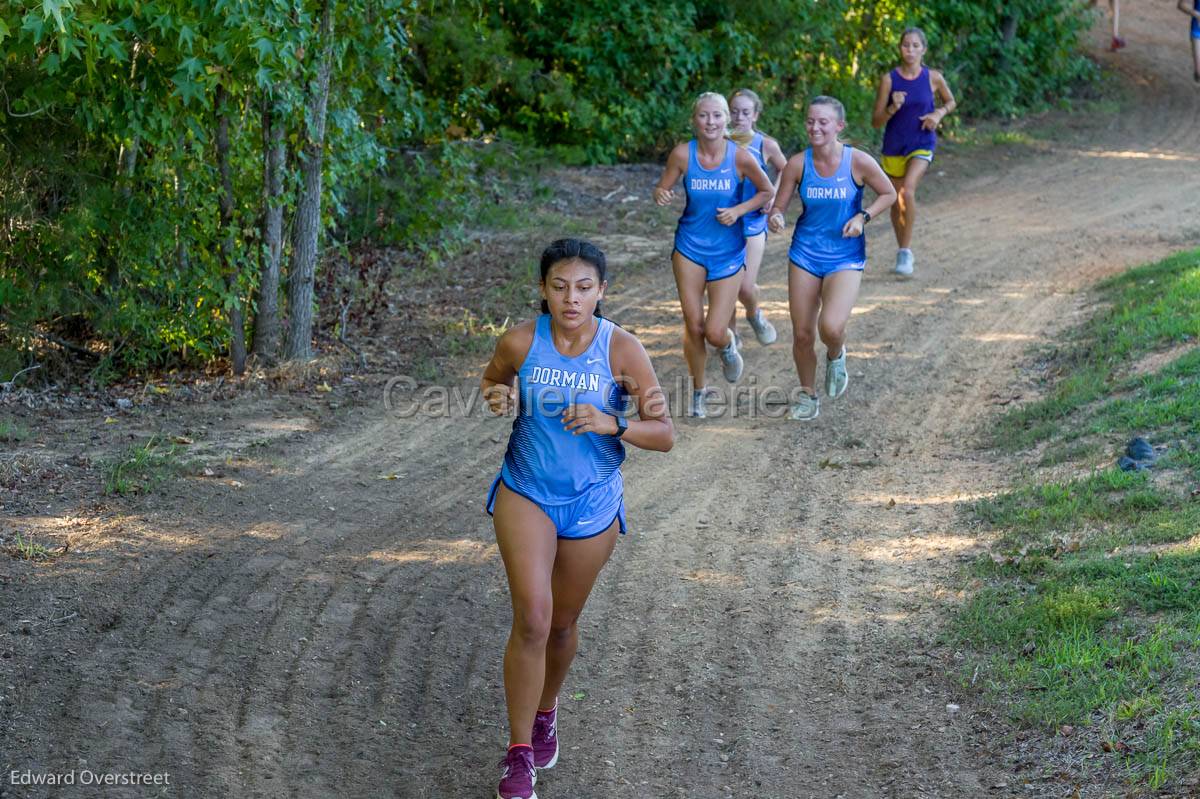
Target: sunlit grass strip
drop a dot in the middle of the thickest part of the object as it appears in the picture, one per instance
(1087, 623)
(1147, 309)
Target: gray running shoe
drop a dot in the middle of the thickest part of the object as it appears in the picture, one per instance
(731, 360)
(764, 331)
(807, 409)
(904, 263)
(836, 378)
(697, 409)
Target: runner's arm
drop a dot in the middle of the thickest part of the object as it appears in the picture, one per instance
(942, 89)
(747, 167)
(652, 429)
(664, 192)
(773, 155)
(789, 179)
(883, 111)
(1188, 9)
(498, 384)
(867, 172)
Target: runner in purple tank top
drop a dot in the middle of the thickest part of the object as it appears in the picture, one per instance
(905, 106)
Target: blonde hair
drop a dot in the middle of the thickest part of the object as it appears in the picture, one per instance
(740, 138)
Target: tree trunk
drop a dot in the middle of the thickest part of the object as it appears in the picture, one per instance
(266, 321)
(306, 230)
(1008, 34)
(181, 206)
(237, 331)
(127, 156)
(1008, 28)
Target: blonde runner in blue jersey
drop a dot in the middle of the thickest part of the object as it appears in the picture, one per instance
(720, 249)
(827, 249)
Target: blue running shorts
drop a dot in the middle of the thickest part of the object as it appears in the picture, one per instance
(588, 515)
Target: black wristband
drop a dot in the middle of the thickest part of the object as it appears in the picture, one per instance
(866, 216)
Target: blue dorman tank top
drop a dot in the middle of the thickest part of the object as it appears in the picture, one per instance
(754, 222)
(544, 462)
(829, 203)
(699, 236)
(903, 132)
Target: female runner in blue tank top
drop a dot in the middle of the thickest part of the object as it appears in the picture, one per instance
(1192, 9)
(828, 252)
(710, 244)
(558, 503)
(744, 109)
(904, 105)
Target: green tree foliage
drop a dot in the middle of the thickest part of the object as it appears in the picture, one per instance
(114, 238)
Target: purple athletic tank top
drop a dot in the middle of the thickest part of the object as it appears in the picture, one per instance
(903, 132)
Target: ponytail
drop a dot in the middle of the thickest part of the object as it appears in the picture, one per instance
(741, 138)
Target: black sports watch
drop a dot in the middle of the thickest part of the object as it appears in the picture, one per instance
(622, 426)
(866, 216)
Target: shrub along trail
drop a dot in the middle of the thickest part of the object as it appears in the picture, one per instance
(766, 629)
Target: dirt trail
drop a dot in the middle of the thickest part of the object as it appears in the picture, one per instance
(764, 631)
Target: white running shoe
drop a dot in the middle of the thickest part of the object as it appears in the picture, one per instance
(731, 360)
(764, 331)
(904, 263)
(836, 378)
(807, 409)
(697, 409)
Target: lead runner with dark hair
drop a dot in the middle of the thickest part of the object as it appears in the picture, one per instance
(558, 502)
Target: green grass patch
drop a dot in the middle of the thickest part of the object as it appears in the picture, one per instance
(1011, 137)
(1106, 509)
(1144, 310)
(25, 548)
(1110, 644)
(1089, 610)
(12, 432)
(143, 467)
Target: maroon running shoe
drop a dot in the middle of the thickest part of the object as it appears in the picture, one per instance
(1117, 43)
(517, 774)
(545, 738)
